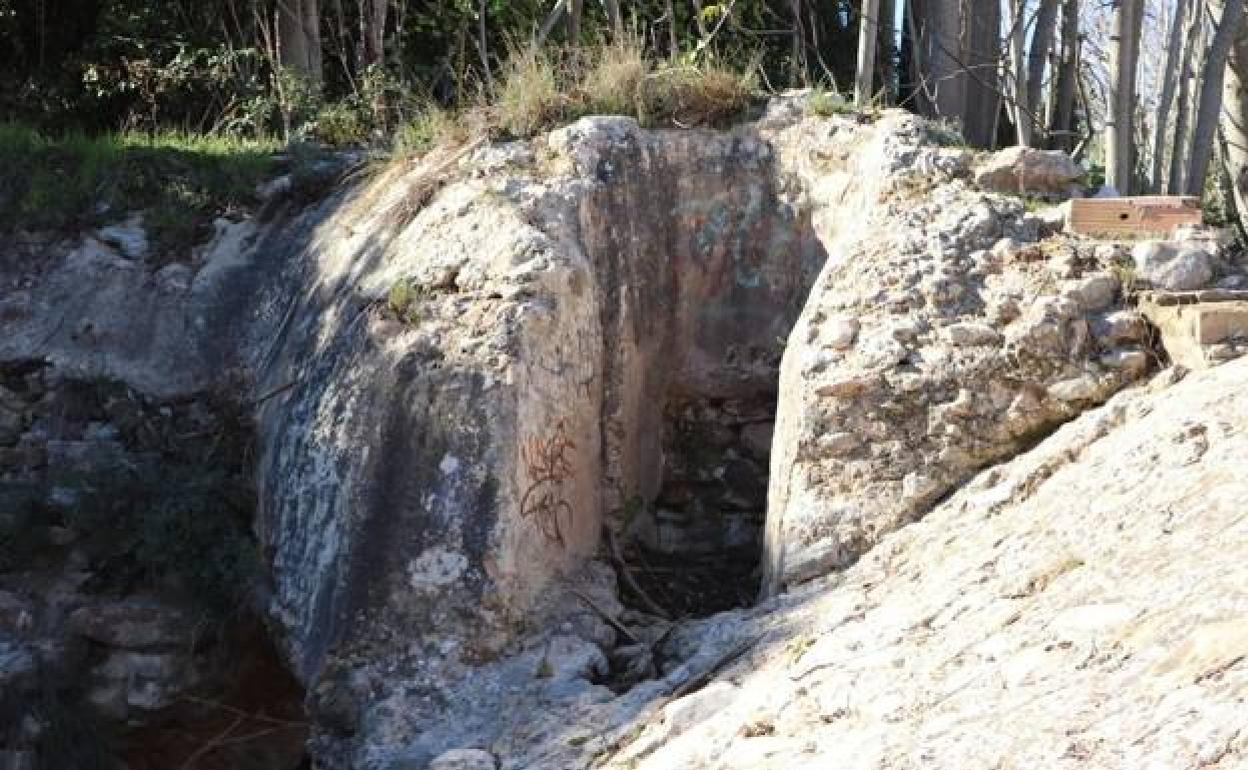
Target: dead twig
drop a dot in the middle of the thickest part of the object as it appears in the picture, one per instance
(600, 612)
(212, 744)
(243, 714)
(652, 606)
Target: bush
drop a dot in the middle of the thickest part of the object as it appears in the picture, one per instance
(164, 523)
(340, 124)
(403, 300)
(702, 94)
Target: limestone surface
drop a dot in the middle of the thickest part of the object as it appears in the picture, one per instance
(1079, 606)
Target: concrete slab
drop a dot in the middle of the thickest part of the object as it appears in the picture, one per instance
(1193, 324)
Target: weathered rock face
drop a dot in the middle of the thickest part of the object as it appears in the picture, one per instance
(1079, 606)
(105, 646)
(940, 338)
(576, 315)
(462, 371)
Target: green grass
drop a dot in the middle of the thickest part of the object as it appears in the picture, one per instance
(826, 103)
(182, 181)
(944, 133)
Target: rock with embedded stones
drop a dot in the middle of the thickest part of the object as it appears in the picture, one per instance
(841, 333)
(995, 352)
(1022, 170)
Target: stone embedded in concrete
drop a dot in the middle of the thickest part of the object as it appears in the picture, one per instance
(1192, 325)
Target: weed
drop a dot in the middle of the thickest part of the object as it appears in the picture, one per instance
(540, 90)
(1127, 276)
(826, 103)
(341, 124)
(702, 94)
(403, 300)
(613, 84)
(797, 647)
(432, 127)
(544, 668)
(944, 133)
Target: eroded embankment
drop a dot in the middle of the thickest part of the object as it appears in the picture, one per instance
(464, 371)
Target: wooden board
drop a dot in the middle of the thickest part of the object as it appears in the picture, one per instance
(1141, 215)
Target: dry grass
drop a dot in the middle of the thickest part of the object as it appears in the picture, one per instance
(697, 95)
(614, 81)
(529, 98)
(541, 89)
(434, 126)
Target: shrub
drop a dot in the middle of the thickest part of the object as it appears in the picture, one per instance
(944, 133)
(168, 523)
(697, 94)
(340, 124)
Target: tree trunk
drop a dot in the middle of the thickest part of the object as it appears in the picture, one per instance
(1183, 104)
(1062, 126)
(673, 42)
(868, 35)
(1210, 101)
(913, 60)
(1020, 111)
(1121, 97)
(299, 37)
(615, 19)
(483, 49)
(884, 49)
(944, 74)
(983, 58)
(799, 73)
(575, 10)
(1037, 58)
(1234, 125)
(372, 31)
(1169, 78)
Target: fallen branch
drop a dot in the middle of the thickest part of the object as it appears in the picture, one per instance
(616, 556)
(212, 744)
(600, 612)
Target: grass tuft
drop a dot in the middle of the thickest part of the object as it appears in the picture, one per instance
(826, 103)
(529, 98)
(542, 89)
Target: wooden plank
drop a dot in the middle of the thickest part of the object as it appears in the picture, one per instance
(1140, 215)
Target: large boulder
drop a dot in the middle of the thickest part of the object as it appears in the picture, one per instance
(1175, 265)
(1025, 170)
